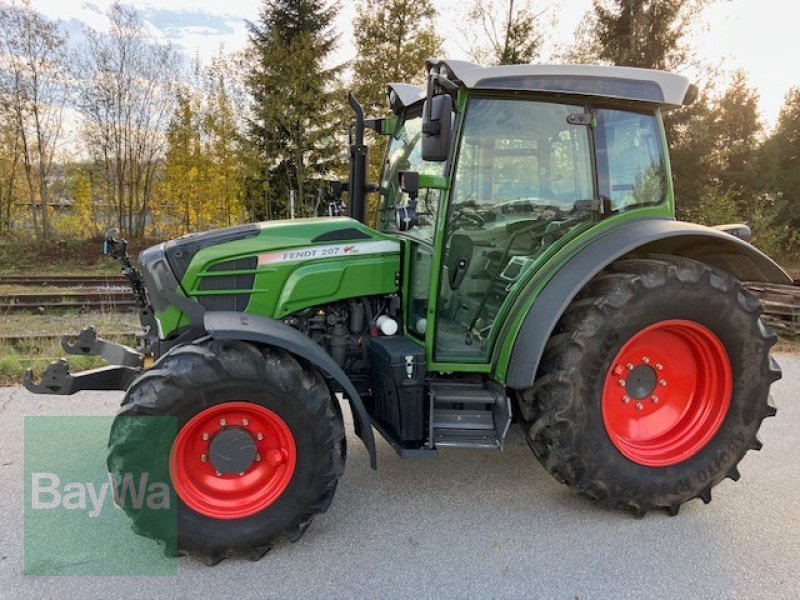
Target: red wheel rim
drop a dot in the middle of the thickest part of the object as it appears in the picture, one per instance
(690, 374)
(232, 495)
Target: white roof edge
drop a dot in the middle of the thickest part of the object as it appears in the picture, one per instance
(407, 94)
(673, 87)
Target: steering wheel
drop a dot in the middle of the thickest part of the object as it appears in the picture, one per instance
(462, 218)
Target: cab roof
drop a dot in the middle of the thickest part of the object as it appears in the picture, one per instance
(627, 83)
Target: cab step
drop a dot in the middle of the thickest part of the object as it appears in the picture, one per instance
(468, 414)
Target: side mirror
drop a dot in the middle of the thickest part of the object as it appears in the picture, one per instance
(436, 127)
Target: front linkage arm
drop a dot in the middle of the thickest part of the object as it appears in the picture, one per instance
(126, 365)
(58, 380)
(88, 344)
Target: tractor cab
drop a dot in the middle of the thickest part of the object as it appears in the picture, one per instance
(536, 156)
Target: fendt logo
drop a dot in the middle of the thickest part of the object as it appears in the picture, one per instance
(310, 252)
(47, 493)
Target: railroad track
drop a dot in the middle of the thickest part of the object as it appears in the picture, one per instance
(65, 280)
(47, 302)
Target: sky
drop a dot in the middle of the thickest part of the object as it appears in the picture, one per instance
(754, 35)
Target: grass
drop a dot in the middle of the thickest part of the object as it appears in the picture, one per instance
(70, 322)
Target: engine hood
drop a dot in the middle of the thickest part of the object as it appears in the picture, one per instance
(262, 237)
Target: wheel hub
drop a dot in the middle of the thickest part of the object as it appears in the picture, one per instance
(641, 382)
(232, 450)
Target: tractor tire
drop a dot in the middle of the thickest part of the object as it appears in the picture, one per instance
(653, 385)
(235, 406)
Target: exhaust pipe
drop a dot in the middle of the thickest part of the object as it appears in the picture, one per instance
(358, 163)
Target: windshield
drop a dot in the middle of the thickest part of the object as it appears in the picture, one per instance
(404, 154)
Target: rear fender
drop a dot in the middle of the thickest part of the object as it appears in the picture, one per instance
(648, 236)
(262, 330)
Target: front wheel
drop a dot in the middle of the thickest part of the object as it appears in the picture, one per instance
(653, 386)
(255, 450)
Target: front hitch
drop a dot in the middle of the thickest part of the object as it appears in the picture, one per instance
(88, 344)
(58, 380)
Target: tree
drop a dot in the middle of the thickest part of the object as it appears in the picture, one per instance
(644, 33)
(126, 98)
(182, 206)
(695, 164)
(34, 85)
(778, 168)
(202, 180)
(393, 40)
(510, 29)
(221, 130)
(9, 164)
(738, 135)
(297, 112)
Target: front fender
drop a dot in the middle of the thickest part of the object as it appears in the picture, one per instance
(648, 236)
(252, 328)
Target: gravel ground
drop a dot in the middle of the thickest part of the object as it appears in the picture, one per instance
(471, 524)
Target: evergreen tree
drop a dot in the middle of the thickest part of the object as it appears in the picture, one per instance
(181, 208)
(739, 131)
(778, 167)
(393, 39)
(296, 113)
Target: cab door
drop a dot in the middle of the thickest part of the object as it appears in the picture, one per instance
(522, 168)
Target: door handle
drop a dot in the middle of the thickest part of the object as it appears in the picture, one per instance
(458, 274)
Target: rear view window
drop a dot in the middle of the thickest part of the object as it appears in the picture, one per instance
(630, 161)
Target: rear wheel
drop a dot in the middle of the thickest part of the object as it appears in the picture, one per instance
(255, 451)
(653, 386)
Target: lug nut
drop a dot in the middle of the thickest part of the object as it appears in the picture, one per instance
(219, 474)
(245, 422)
(241, 473)
(274, 457)
(645, 360)
(203, 458)
(639, 406)
(258, 457)
(205, 436)
(223, 422)
(654, 399)
(630, 366)
(659, 366)
(663, 382)
(626, 399)
(260, 436)
(622, 382)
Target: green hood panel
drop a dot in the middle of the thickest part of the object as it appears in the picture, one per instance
(288, 266)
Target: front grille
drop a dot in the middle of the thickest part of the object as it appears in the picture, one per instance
(234, 302)
(244, 281)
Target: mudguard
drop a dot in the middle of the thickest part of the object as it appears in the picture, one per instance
(646, 236)
(252, 328)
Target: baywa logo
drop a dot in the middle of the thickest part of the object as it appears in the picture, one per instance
(73, 492)
(48, 493)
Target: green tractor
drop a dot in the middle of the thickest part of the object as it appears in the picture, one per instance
(524, 266)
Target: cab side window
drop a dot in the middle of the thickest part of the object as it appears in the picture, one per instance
(630, 159)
